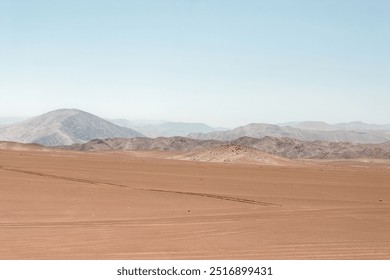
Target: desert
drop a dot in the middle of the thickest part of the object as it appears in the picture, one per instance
(152, 204)
(220, 136)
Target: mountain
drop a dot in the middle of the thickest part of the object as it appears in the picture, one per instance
(348, 126)
(63, 127)
(135, 123)
(165, 129)
(361, 126)
(313, 125)
(260, 130)
(169, 129)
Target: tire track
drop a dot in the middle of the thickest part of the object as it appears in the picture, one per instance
(216, 196)
(92, 182)
(78, 180)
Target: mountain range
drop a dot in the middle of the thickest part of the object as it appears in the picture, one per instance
(72, 126)
(260, 130)
(348, 126)
(283, 147)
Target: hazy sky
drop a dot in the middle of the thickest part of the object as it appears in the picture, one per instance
(222, 62)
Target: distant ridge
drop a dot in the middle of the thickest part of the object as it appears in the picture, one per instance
(63, 127)
(166, 129)
(346, 126)
(259, 130)
(312, 125)
(361, 126)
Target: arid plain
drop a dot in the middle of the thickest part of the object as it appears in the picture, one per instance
(150, 205)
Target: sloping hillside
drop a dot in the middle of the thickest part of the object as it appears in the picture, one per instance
(63, 127)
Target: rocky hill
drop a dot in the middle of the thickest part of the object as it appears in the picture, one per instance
(297, 149)
(181, 144)
(230, 153)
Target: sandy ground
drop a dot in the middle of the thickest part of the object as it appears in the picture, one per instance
(135, 205)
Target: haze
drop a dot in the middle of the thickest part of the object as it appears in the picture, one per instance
(225, 63)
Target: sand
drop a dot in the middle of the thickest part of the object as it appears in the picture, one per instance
(138, 205)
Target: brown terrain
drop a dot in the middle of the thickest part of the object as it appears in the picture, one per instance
(183, 205)
(282, 147)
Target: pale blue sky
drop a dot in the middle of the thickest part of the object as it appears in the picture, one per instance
(225, 63)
